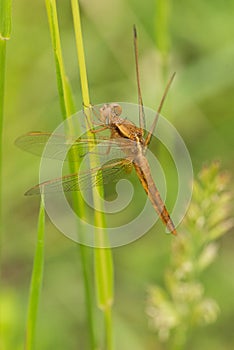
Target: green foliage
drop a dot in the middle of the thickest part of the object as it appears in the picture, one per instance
(182, 304)
(5, 19)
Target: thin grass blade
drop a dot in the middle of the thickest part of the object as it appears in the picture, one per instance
(36, 282)
(103, 261)
(68, 108)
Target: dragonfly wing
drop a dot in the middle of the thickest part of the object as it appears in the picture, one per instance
(59, 147)
(35, 142)
(112, 171)
(69, 148)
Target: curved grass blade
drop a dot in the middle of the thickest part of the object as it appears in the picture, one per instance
(36, 282)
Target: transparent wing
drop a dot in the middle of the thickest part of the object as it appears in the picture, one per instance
(112, 171)
(69, 148)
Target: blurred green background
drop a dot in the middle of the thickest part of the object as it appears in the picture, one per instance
(199, 47)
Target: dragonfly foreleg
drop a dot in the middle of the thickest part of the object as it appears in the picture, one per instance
(89, 118)
(94, 131)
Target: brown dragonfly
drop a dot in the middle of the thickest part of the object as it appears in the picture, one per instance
(124, 136)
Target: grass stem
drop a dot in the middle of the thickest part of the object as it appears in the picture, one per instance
(5, 32)
(67, 108)
(102, 256)
(36, 282)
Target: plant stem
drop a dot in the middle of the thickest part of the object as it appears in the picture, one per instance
(67, 108)
(109, 327)
(102, 257)
(2, 93)
(65, 94)
(5, 31)
(80, 52)
(36, 282)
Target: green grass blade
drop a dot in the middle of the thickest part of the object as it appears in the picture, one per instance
(104, 289)
(5, 19)
(103, 257)
(65, 94)
(80, 52)
(67, 108)
(2, 93)
(36, 282)
(5, 31)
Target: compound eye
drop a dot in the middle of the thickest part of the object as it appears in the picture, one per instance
(117, 109)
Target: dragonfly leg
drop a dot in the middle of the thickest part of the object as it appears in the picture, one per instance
(94, 122)
(89, 119)
(93, 131)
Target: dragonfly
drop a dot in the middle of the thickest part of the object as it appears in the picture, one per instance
(128, 140)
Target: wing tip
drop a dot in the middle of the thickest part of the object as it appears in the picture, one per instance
(33, 191)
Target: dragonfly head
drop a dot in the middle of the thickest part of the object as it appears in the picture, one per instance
(109, 111)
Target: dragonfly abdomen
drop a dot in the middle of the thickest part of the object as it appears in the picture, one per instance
(145, 177)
